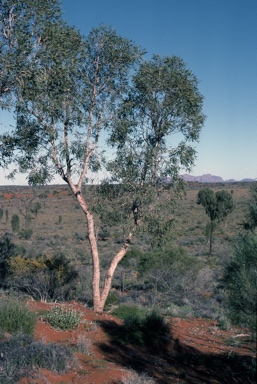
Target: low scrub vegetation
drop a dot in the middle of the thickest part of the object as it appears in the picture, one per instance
(63, 318)
(144, 328)
(20, 353)
(15, 318)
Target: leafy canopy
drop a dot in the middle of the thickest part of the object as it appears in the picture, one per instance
(217, 205)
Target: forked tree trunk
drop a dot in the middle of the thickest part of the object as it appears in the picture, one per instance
(100, 295)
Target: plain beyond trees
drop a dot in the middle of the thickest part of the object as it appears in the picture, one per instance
(91, 104)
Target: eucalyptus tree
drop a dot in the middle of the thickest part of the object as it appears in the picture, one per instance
(217, 206)
(22, 27)
(79, 96)
(63, 110)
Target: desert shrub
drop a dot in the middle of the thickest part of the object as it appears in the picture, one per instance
(136, 378)
(26, 233)
(44, 278)
(15, 222)
(63, 318)
(16, 318)
(79, 236)
(84, 344)
(133, 255)
(149, 329)
(170, 274)
(240, 282)
(7, 250)
(124, 311)
(20, 355)
(112, 299)
(156, 330)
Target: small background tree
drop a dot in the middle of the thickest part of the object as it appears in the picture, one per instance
(15, 223)
(217, 206)
(251, 218)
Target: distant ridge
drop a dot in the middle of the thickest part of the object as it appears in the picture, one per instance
(209, 178)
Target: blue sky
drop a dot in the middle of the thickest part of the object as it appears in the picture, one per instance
(218, 41)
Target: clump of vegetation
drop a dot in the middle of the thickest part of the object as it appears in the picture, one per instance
(136, 378)
(15, 223)
(16, 318)
(44, 278)
(26, 233)
(128, 310)
(112, 299)
(63, 318)
(84, 344)
(20, 355)
(240, 283)
(149, 329)
(217, 206)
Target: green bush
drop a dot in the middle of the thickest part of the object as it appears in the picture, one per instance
(169, 274)
(7, 250)
(156, 330)
(240, 283)
(42, 277)
(63, 318)
(149, 329)
(16, 318)
(126, 310)
(26, 233)
(15, 223)
(20, 355)
(112, 299)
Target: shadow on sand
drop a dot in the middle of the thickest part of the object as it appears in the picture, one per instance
(176, 362)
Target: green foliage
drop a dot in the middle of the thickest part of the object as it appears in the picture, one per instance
(133, 255)
(149, 329)
(98, 85)
(169, 274)
(171, 258)
(16, 318)
(1, 213)
(26, 233)
(63, 318)
(128, 310)
(44, 278)
(164, 100)
(59, 219)
(7, 250)
(15, 223)
(20, 355)
(251, 219)
(112, 299)
(240, 283)
(217, 206)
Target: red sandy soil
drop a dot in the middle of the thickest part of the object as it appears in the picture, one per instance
(197, 353)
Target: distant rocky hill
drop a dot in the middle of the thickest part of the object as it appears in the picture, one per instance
(208, 178)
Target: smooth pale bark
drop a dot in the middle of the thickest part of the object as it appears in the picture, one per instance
(99, 295)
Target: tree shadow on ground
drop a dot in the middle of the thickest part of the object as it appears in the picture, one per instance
(176, 362)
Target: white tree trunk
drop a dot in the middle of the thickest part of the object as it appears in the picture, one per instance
(99, 296)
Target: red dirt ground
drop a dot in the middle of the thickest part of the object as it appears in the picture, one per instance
(197, 354)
